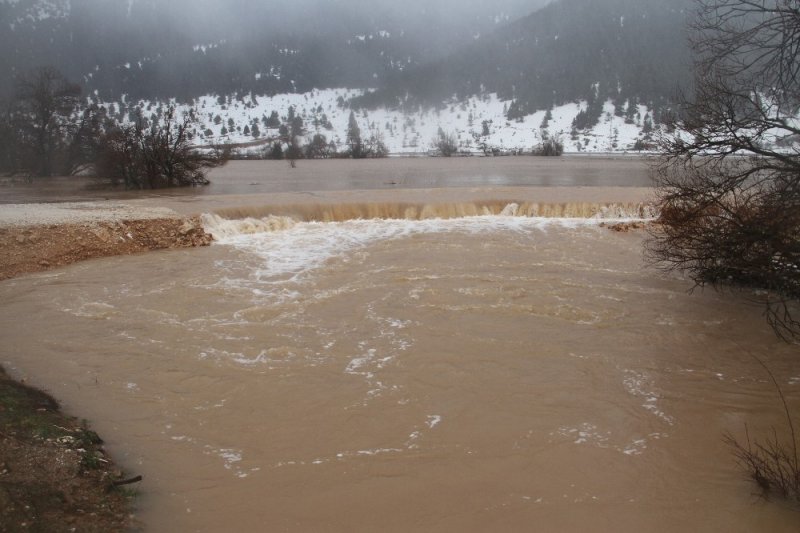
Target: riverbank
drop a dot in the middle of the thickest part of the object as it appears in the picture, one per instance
(54, 473)
(37, 237)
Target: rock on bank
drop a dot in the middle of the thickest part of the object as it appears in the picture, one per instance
(36, 237)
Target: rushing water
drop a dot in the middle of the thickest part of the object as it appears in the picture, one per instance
(490, 373)
(458, 364)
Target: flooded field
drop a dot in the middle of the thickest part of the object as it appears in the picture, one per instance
(515, 371)
(263, 177)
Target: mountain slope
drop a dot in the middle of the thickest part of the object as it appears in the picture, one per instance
(570, 50)
(188, 48)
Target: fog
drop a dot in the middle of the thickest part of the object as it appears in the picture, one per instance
(95, 42)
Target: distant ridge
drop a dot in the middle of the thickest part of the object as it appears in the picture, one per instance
(630, 51)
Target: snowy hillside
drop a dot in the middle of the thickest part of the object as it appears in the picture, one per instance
(478, 123)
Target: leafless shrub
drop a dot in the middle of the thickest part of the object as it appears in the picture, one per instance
(728, 184)
(155, 156)
(772, 464)
(445, 143)
(551, 146)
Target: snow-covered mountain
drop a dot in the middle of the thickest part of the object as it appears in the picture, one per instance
(486, 72)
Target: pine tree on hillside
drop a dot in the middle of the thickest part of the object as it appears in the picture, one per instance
(354, 143)
(548, 116)
(274, 120)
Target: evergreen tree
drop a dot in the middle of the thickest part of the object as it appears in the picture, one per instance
(318, 148)
(647, 125)
(631, 111)
(276, 152)
(354, 143)
(548, 116)
(274, 120)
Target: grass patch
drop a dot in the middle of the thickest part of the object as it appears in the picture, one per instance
(27, 413)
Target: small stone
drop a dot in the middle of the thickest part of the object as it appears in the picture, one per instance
(187, 228)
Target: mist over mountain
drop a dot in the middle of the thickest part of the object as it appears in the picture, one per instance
(187, 48)
(606, 71)
(624, 50)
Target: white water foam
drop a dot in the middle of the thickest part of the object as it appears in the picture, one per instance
(291, 249)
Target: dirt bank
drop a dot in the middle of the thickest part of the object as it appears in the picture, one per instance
(37, 247)
(54, 474)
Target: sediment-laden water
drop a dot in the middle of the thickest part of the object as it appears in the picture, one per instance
(487, 373)
(394, 174)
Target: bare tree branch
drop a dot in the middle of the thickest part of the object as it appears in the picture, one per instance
(729, 177)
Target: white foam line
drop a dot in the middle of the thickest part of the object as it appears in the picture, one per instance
(294, 249)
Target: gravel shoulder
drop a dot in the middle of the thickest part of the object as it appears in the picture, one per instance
(21, 215)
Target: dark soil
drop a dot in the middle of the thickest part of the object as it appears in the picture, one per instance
(54, 473)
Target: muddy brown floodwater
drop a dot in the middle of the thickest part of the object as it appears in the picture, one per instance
(486, 373)
(270, 177)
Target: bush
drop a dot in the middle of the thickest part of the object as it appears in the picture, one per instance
(549, 147)
(445, 143)
(155, 157)
(772, 464)
(728, 194)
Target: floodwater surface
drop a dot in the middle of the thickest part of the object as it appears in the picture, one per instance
(489, 373)
(268, 177)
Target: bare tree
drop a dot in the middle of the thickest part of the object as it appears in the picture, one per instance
(729, 178)
(551, 146)
(44, 103)
(157, 156)
(84, 144)
(374, 146)
(445, 143)
(9, 152)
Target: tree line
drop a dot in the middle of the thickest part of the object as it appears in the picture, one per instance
(46, 131)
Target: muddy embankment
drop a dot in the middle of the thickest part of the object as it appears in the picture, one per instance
(37, 237)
